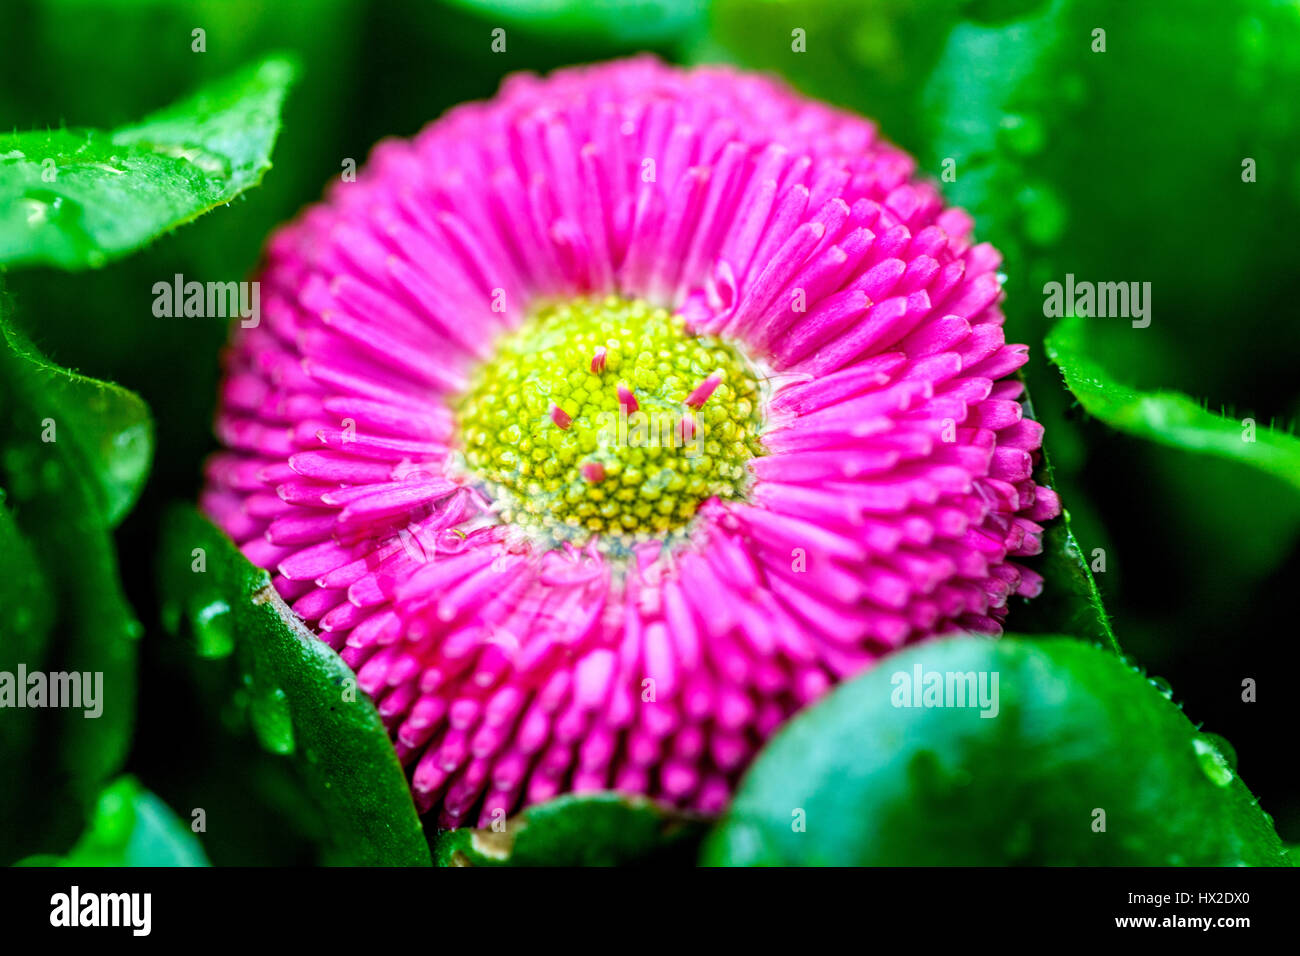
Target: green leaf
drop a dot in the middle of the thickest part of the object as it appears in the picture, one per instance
(28, 612)
(105, 431)
(1071, 600)
(130, 827)
(1169, 418)
(631, 22)
(78, 198)
(1049, 143)
(869, 55)
(24, 595)
(1073, 733)
(73, 454)
(303, 700)
(588, 829)
(892, 50)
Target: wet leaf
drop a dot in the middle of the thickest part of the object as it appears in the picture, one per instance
(105, 431)
(1071, 601)
(29, 611)
(303, 699)
(73, 455)
(131, 827)
(77, 198)
(1167, 417)
(1080, 761)
(591, 829)
(630, 22)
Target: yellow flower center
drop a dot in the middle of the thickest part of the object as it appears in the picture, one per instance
(606, 417)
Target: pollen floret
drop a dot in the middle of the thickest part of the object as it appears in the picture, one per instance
(656, 463)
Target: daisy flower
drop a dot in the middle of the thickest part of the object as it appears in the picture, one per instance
(605, 424)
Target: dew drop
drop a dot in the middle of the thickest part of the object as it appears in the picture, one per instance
(38, 212)
(1213, 764)
(1162, 685)
(1023, 134)
(271, 719)
(1045, 214)
(114, 816)
(213, 630)
(1221, 744)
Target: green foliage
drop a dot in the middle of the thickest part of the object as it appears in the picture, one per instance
(106, 430)
(78, 198)
(130, 827)
(590, 829)
(74, 453)
(29, 609)
(1071, 155)
(1127, 164)
(862, 778)
(614, 21)
(1168, 417)
(1071, 602)
(303, 700)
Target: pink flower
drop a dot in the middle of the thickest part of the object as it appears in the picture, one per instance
(605, 424)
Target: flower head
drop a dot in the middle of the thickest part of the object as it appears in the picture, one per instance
(605, 424)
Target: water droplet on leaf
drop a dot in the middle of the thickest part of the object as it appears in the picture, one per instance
(1162, 685)
(271, 719)
(1213, 764)
(213, 629)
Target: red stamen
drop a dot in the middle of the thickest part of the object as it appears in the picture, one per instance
(686, 429)
(702, 391)
(627, 399)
